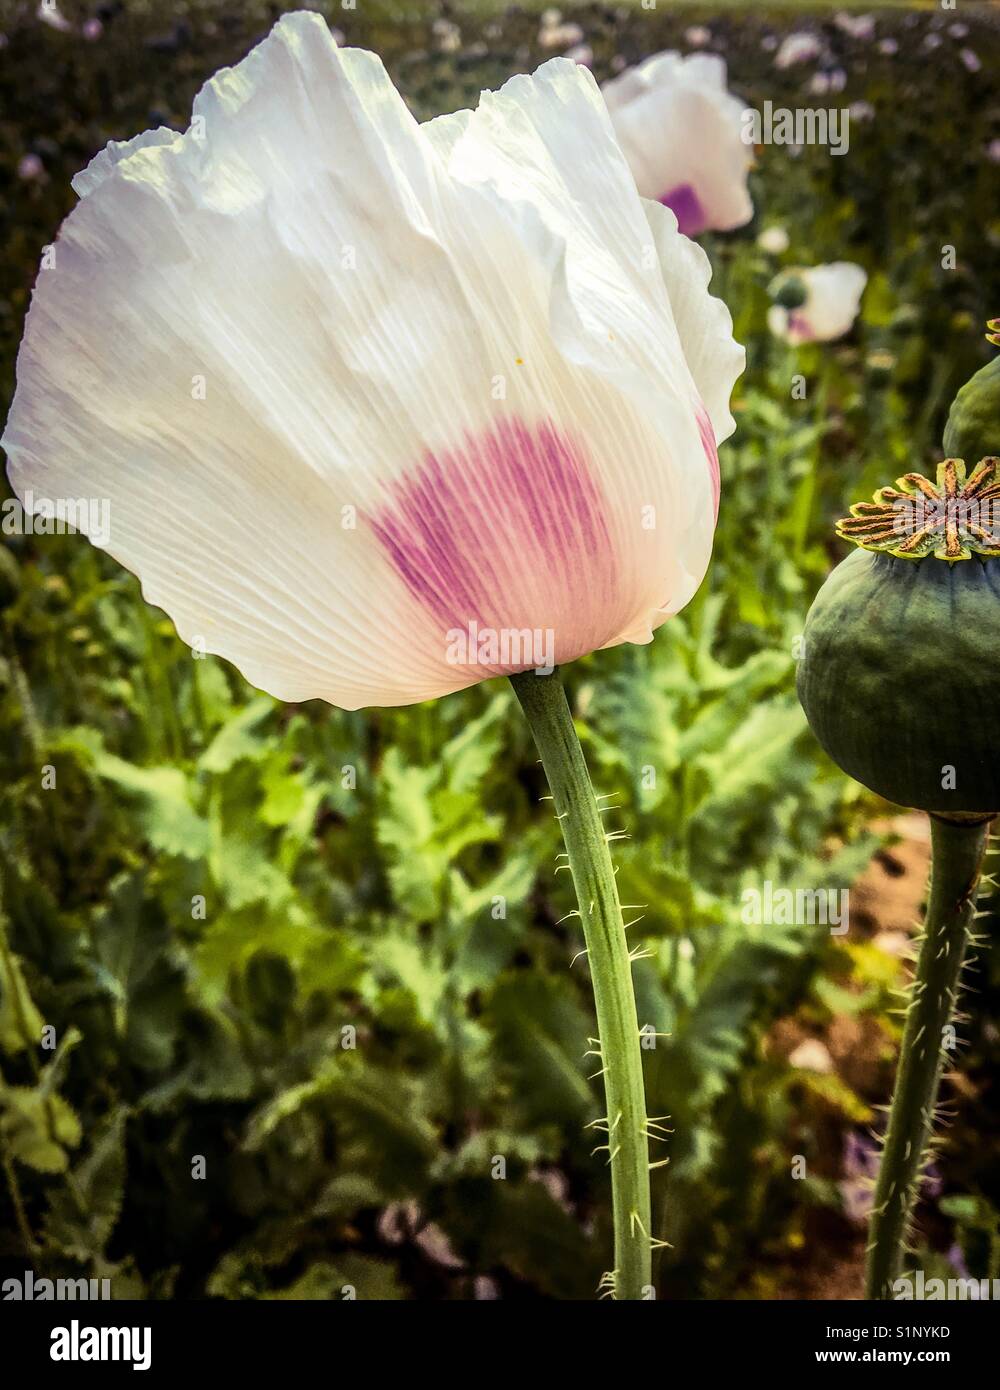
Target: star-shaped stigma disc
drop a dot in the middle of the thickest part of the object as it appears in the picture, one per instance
(952, 519)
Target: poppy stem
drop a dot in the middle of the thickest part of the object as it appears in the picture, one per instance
(957, 849)
(545, 707)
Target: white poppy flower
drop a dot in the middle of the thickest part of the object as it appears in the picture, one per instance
(350, 383)
(581, 53)
(825, 83)
(832, 299)
(556, 33)
(798, 48)
(448, 35)
(774, 240)
(30, 167)
(856, 26)
(681, 131)
(49, 13)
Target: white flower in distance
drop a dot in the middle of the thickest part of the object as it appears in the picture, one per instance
(556, 33)
(856, 26)
(832, 299)
(49, 13)
(682, 133)
(351, 383)
(774, 240)
(798, 48)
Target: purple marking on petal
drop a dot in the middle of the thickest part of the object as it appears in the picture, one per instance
(508, 530)
(712, 453)
(687, 207)
(800, 327)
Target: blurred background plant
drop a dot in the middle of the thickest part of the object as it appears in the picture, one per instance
(308, 973)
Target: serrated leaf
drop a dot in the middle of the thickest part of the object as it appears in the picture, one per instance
(20, 1021)
(240, 737)
(162, 796)
(82, 1229)
(38, 1129)
(541, 1031)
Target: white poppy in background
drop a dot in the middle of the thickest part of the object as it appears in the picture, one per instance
(697, 35)
(830, 297)
(856, 26)
(555, 32)
(49, 13)
(30, 168)
(774, 240)
(798, 48)
(350, 383)
(826, 83)
(682, 133)
(581, 53)
(447, 35)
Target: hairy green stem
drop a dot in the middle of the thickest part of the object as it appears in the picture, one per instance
(544, 703)
(956, 865)
(17, 1201)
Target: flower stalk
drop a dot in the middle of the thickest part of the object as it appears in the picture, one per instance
(957, 849)
(544, 703)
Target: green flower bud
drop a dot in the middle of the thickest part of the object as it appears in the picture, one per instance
(973, 428)
(789, 291)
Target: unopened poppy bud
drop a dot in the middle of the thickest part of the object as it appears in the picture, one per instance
(973, 428)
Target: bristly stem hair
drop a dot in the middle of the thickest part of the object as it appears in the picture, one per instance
(957, 849)
(544, 703)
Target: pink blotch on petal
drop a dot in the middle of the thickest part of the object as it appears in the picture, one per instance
(711, 453)
(800, 327)
(508, 530)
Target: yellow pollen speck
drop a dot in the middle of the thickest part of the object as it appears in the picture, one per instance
(519, 361)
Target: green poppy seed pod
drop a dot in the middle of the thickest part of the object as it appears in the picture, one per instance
(900, 671)
(973, 427)
(789, 291)
(10, 579)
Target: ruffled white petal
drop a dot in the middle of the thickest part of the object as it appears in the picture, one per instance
(112, 155)
(349, 383)
(705, 324)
